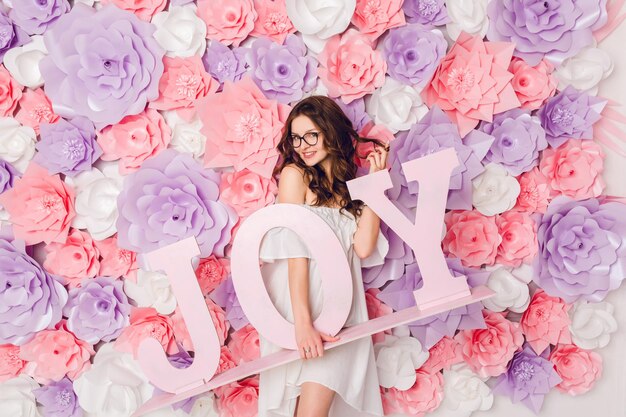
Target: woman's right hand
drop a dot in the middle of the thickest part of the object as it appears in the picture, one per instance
(310, 341)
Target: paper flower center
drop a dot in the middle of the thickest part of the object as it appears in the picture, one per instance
(156, 331)
(524, 371)
(276, 23)
(562, 117)
(461, 79)
(248, 127)
(73, 149)
(187, 85)
(223, 68)
(507, 142)
(42, 2)
(540, 314)
(373, 10)
(427, 8)
(124, 255)
(64, 397)
(40, 112)
(51, 203)
(209, 272)
(103, 305)
(282, 69)
(410, 55)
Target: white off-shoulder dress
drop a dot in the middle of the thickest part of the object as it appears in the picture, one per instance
(349, 370)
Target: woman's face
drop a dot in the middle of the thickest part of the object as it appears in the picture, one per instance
(310, 154)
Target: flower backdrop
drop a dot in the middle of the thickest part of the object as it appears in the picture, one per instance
(126, 125)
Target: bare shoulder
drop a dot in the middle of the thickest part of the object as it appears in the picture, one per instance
(291, 186)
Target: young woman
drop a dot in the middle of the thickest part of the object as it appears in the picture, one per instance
(317, 152)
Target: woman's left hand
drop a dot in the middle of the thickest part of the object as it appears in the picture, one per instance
(378, 158)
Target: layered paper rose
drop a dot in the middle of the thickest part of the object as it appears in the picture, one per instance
(23, 62)
(35, 109)
(227, 21)
(211, 272)
(226, 297)
(423, 397)
(467, 16)
(76, 259)
(373, 18)
(472, 237)
(464, 391)
(473, 83)
(519, 239)
(103, 64)
(10, 92)
(11, 365)
(244, 130)
(144, 323)
(186, 135)
(180, 31)
(554, 30)
(585, 70)
(579, 369)
(239, 398)
(224, 63)
(247, 192)
(244, 344)
(17, 143)
(349, 66)
(532, 84)
(494, 191)
(397, 358)
(151, 289)
(545, 322)
(15, 36)
(17, 397)
(535, 192)
(442, 355)
(273, 21)
(425, 12)
(36, 17)
(8, 175)
(510, 293)
(58, 399)
(396, 106)
(582, 253)
(116, 262)
(592, 324)
(398, 255)
(143, 9)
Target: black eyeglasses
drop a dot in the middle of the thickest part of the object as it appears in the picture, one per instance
(309, 137)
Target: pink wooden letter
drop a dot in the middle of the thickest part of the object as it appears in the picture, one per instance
(325, 248)
(424, 235)
(175, 261)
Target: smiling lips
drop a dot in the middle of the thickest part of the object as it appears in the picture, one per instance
(308, 154)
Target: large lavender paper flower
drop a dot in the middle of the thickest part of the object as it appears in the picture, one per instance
(518, 140)
(30, 299)
(68, 146)
(98, 311)
(570, 114)
(582, 249)
(413, 53)
(8, 174)
(224, 63)
(398, 255)
(426, 12)
(103, 64)
(283, 72)
(399, 295)
(226, 297)
(433, 133)
(35, 16)
(556, 29)
(355, 112)
(170, 198)
(11, 35)
(58, 399)
(528, 379)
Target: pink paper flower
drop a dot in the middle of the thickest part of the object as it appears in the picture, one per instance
(11, 365)
(423, 397)
(374, 17)
(350, 67)
(76, 259)
(134, 139)
(35, 108)
(546, 322)
(116, 262)
(579, 369)
(211, 272)
(488, 351)
(574, 169)
(519, 238)
(219, 320)
(534, 195)
(227, 21)
(183, 82)
(273, 21)
(40, 206)
(244, 130)
(144, 9)
(10, 93)
(146, 322)
(532, 85)
(247, 192)
(472, 237)
(244, 344)
(443, 355)
(376, 308)
(180, 330)
(227, 361)
(472, 82)
(53, 354)
(239, 399)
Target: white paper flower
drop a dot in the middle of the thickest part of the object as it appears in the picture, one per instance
(592, 324)
(585, 70)
(397, 358)
(180, 31)
(464, 391)
(96, 200)
(167, 412)
(319, 20)
(511, 293)
(186, 136)
(23, 62)
(396, 105)
(204, 407)
(467, 16)
(114, 386)
(152, 289)
(17, 398)
(494, 191)
(17, 143)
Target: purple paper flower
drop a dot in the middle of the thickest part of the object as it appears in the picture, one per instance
(528, 379)
(58, 399)
(97, 311)
(426, 12)
(538, 28)
(399, 295)
(283, 72)
(413, 53)
(31, 299)
(518, 140)
(570, 114)
(224, 63)
(103, 64)
(11, 35)
(34, 16)
(170, 198)
(433, 133)
(582, 249)
(355, 112)
(8, 174)
(226, 297)
(399, 255)
(68, 146)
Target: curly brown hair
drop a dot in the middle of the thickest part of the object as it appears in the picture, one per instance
(340, 140)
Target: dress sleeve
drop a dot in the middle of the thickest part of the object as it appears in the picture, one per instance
(282, 243)
(380, 251)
